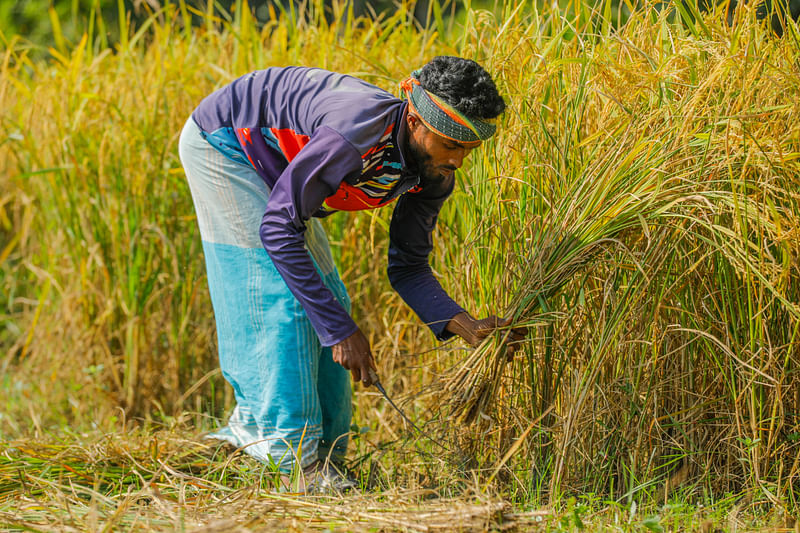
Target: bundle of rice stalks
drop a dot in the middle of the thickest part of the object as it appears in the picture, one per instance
(625, 185)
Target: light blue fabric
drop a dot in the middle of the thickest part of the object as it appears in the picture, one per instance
(293, 401)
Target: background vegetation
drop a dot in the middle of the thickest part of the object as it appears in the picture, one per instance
(638, 211)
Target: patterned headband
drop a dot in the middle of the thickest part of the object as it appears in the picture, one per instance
(441, 117)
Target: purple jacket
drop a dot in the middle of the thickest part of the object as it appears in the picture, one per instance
(323, 142)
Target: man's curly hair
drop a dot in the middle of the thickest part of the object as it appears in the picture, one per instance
(463, 84)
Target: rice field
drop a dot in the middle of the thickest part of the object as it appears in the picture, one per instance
(638, 213)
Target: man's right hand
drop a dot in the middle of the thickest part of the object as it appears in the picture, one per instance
(355, 355)
(474, 331)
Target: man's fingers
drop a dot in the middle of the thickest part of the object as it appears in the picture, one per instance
(511, 351)
(516, 336)
(364, 376)
(360, 370)
(517, 332)
(366, 379)
(339, 358)
(369, 373)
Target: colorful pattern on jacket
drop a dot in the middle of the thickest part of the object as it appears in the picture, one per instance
(379, 175)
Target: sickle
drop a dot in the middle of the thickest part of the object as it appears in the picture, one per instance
(375, 381)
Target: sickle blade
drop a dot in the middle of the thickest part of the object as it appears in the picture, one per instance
(416, 427)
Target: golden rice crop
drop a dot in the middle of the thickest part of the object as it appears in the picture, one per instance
(638, 213)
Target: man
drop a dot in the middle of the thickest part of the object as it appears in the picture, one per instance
(268, 154)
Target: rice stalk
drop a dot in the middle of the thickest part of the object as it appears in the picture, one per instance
(640, 219)
(618, 190)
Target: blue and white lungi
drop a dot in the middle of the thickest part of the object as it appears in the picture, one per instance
(292, 400)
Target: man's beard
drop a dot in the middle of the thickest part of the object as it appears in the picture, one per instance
(422, 164)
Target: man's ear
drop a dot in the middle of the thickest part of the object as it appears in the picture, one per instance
(413, 121)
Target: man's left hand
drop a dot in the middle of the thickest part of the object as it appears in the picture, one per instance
(473, 331)
(355, 355)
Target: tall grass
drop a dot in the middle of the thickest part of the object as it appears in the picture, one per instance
(105, 290)
(638, 211)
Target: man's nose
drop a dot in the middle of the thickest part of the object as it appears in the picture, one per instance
(457, 157)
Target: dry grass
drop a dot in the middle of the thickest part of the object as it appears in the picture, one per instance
(163, 481)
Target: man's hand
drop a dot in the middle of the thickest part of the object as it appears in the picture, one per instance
(355, 355)
(474, 331)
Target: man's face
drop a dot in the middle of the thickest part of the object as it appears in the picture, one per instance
(434, 156)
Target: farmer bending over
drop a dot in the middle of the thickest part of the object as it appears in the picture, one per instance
(268, 154)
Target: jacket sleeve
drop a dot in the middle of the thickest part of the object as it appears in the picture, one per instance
(313, 175)
(410, 244)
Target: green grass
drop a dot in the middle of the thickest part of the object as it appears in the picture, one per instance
(638, 212)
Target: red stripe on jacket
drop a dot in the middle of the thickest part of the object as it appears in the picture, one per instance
(290, 142)
(350, 198)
